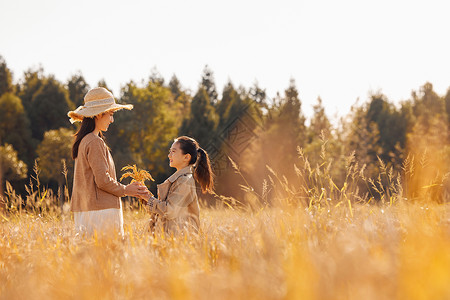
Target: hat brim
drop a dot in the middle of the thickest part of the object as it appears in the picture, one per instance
(88, 112)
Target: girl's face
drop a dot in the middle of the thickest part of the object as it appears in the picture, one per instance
(177, 159)
(102, 121)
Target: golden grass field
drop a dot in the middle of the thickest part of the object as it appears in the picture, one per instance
(307, 239)
(399, 251)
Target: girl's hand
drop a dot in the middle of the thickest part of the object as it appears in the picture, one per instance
(145, 199)
(137, 189)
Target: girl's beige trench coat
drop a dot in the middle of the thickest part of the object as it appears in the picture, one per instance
(176, 208)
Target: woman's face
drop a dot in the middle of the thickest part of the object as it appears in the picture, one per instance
(177, 159)
(102, 121)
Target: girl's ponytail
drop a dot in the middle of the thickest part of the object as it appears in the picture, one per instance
(203, 172)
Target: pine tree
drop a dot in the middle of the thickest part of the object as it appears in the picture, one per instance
(362, 138)
(258, 95)
(392, 126)
(284, 131)
(291, 118)
(181, 97)
(156, 77)
(6, 85)
(318, 133)
(209, 85)
(229, 107)
(425, 143)
(319, 122)
(175, 86)
(77, 88)
(32, 82)
(102, 83)
(49, 107)
(202, 121)
(428, 105)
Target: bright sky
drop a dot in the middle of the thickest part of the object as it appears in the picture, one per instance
(338, 50)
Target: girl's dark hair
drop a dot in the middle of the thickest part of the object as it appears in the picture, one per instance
(203, 172)
(87, 126)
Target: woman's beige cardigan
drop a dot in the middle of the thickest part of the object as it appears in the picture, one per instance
(95, 185)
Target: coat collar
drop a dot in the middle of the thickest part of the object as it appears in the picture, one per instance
(184, 171)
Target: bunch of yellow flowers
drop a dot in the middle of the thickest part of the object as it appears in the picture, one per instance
(136, 174)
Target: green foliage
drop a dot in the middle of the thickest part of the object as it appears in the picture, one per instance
(230, 106)
(31, 83)
(49, 107)
(175, 86)
(430, 121)
(447, 109)
(428, 105)
(428, 149)
(202, 121)
(447, 104)
(209, 84)
(321, 134)
(52, 151)
(375, 131)
(77, 88)
(14, 125)
(319, 122)
(392, 126)
(363, 138)
(11, 167)
(6, 85)
(102, 83)
(182, 99)
(240, 119)
(286, 131)
(258, 95)
(156, 77)
(147, 130)
(291, 117)
(282, 132)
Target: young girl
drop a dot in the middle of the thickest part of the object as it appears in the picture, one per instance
(96, 203)
(176, 208)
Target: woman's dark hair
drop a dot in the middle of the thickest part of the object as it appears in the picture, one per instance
(87, 126)
(203, 172)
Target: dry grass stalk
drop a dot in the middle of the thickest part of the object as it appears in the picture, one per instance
(136, 174)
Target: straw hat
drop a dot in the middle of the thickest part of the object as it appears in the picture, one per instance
(96, 101)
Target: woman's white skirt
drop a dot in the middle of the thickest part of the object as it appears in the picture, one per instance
(103, 221)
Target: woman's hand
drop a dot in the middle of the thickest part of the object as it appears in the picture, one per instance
(137, 189)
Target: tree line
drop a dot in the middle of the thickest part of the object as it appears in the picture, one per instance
(248, 134)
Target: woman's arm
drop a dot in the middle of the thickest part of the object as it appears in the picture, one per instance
(98, 160)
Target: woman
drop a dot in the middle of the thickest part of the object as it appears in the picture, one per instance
(96, 192)
(176, 208)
